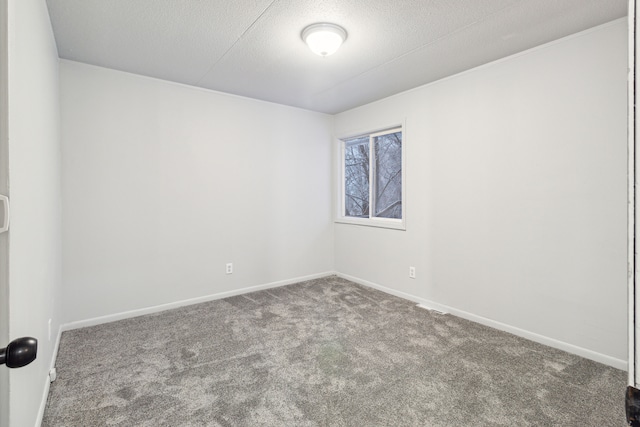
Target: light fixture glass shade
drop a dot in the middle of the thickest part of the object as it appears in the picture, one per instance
(324, 39)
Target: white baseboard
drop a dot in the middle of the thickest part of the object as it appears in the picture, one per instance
(43, 404)
(157, 308)
(47, 385)
(551, 342)
(434, 310)
(56, 346)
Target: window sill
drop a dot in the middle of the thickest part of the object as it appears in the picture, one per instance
(394, 224)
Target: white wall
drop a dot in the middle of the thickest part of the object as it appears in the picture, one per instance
(516, 194)
(34, 178)
(163, 184)
(516, 200)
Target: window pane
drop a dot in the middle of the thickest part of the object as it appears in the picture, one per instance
(356, 177)
(388, 175)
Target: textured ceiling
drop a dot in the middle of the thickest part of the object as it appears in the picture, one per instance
(253, 47)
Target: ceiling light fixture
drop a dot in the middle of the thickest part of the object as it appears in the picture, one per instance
(324, 39)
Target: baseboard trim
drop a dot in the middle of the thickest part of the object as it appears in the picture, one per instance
(551, 342)
(47, 385)
(162, 307)
(431, 309)
(56, 346)
(43, 404)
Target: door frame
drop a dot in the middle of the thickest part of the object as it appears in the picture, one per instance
(4, 189)
(632, 197)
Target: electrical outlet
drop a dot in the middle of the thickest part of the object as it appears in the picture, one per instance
(229, 268)
(412, 272)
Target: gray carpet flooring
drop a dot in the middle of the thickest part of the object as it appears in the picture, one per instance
(325, 352)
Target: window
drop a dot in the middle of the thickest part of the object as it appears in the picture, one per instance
(372, 179)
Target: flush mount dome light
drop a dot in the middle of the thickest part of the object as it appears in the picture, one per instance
(324, 39)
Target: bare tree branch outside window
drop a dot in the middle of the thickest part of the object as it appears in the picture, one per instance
(356, 177)
(388, 175)
(384, 170)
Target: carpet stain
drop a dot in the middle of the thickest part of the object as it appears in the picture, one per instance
(187, 354)
(126, 393)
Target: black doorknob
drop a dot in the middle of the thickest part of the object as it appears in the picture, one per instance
(20, 352)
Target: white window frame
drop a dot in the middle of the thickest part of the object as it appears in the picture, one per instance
(372, 221)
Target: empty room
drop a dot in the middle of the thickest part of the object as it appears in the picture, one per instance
(298, 213)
